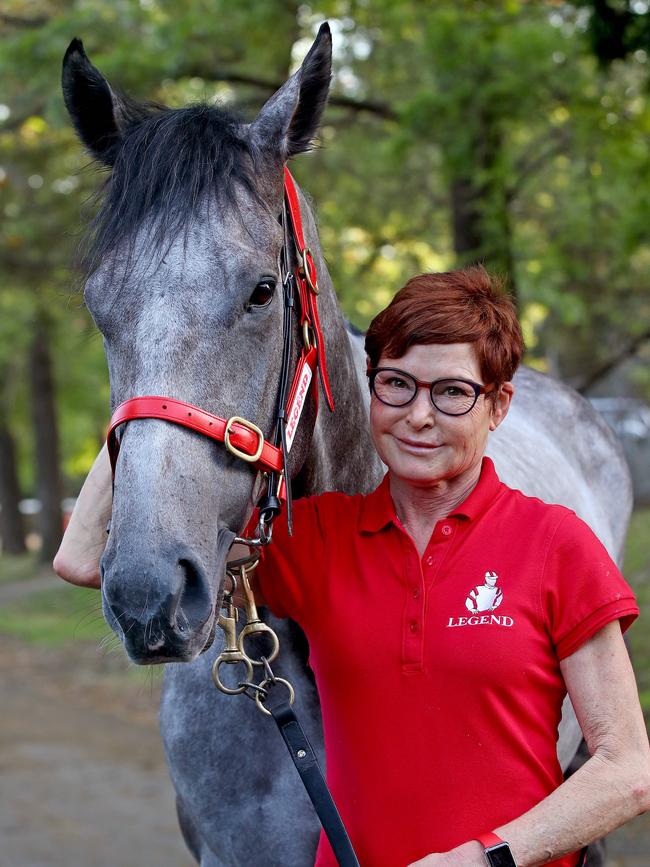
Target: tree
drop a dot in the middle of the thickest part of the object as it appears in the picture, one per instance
(456, 131)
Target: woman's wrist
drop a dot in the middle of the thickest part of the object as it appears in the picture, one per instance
(469, 854)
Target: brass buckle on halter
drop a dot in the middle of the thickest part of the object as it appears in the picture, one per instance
(308, 336)
(306, 273)
(238, 453)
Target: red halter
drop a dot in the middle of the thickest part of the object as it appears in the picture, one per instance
(242, 438)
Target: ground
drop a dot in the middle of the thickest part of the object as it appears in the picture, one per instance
(83, 781)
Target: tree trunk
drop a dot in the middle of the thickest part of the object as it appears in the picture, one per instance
(11, 522)
(480, 210)
(46, 439)
(466, 220)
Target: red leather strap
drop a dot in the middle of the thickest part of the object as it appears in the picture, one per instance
(489, 839)
(308, 302)
(303, 292)
(197, 419)
(294, 208)
(322, 358)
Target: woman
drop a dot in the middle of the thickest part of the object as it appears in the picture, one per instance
(448, 614)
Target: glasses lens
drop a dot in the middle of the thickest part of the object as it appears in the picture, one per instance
(393, 387)
(453, 396)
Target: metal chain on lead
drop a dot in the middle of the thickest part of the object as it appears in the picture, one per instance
(264, 537)
(234, 652)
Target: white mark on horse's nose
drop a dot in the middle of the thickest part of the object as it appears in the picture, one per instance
(156, 645)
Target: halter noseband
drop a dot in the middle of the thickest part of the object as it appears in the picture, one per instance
(241, 437)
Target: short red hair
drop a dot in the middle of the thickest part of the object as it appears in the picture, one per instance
(464, 306)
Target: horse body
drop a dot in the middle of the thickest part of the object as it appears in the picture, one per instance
(179, 315)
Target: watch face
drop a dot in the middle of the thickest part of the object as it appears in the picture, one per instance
(500, 856)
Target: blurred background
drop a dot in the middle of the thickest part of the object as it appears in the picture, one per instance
(511, 132)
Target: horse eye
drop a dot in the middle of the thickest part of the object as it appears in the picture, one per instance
(262, 294)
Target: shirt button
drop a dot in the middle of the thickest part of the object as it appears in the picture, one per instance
(429, 561)
(446, 530)
(414, 626)
(416, 592)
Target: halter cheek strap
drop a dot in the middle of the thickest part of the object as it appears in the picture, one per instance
(307, 281)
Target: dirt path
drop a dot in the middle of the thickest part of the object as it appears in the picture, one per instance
(83, 781)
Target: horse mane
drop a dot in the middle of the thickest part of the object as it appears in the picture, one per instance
(168, 162)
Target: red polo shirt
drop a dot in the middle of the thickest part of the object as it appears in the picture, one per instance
(439, 677)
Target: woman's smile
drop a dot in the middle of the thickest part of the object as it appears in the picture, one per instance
(416, 447)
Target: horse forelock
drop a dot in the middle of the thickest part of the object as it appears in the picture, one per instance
(169, 163)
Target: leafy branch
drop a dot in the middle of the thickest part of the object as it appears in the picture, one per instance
(379, 109)
(628, 351)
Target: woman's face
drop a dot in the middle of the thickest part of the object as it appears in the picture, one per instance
(418, 443)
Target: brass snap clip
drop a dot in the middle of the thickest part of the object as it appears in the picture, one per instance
(254, 626)
(231, 654)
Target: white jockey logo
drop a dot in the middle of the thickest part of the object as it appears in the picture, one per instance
(485, 597)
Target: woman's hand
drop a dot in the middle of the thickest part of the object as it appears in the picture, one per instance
(77, 559)
(468, 855)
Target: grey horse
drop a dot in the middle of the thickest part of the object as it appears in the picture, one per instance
(183, 276)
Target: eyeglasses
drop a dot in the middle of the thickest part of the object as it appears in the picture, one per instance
(450, 396)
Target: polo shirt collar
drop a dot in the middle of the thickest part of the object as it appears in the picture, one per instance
(379, 510)
(481, 498)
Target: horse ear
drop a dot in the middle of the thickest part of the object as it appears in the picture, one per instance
(290, 119)
(97, 112)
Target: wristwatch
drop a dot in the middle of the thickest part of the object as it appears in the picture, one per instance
(496, 851)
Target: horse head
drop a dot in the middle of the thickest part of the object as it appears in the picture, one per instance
(184, 285)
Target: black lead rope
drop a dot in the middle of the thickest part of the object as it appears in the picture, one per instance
(301, 751)
(304, 758)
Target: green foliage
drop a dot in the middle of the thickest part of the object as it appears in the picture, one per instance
(505, 99)
(637, 572)
(637, 552)
(55, 617)
(17, 568)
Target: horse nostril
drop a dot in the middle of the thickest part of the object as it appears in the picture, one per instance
(194, 605)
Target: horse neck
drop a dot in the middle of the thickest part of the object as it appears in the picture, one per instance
(341, 456)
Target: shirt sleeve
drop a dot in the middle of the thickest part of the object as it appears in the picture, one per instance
(582, 588)
(291, 567)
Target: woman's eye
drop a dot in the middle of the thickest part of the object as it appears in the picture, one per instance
(460, 391)
(262, 294)
(395, 382)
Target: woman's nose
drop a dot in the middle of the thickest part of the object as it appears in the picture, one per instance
(422, 410)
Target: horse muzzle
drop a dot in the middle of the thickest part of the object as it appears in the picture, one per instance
(162, 612)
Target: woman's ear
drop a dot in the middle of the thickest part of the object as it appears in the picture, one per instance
(501, 404)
